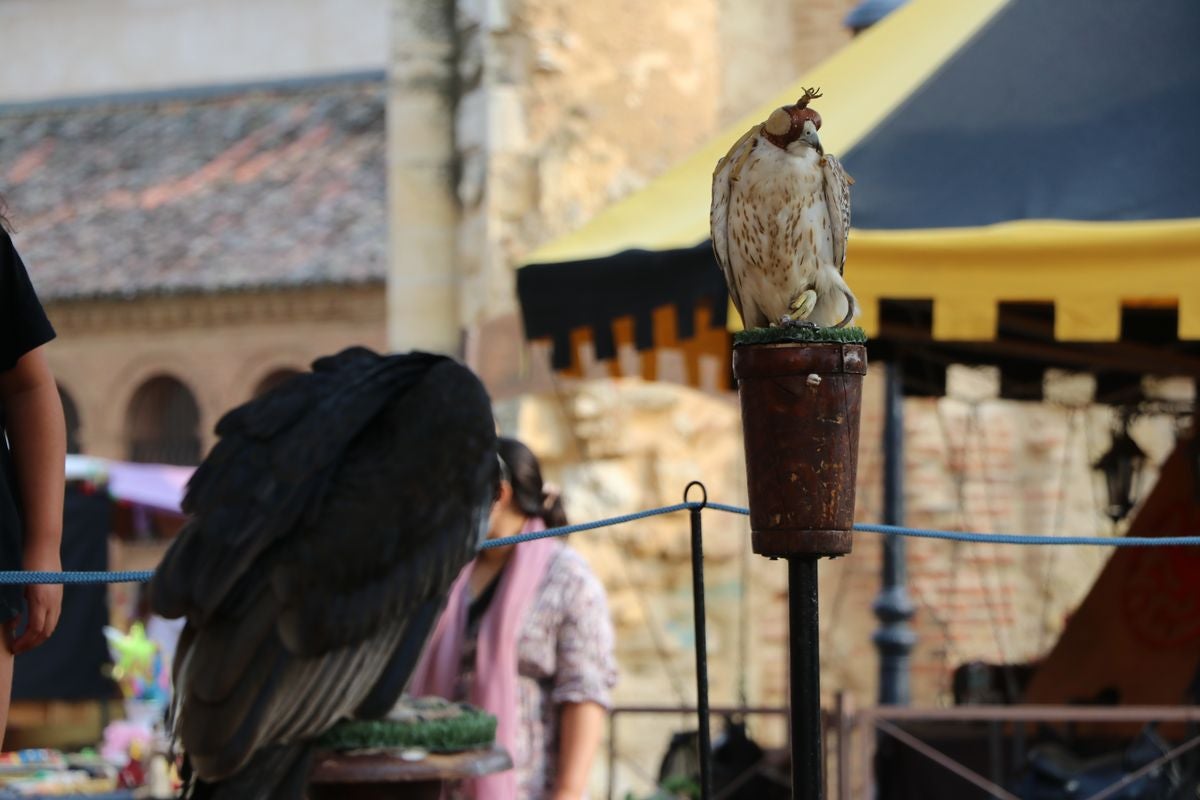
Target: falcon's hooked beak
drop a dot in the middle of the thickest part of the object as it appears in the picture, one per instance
(809, 135)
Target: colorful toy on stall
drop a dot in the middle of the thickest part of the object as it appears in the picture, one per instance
(133, 774)
(125, 741)
(139, 669)
(137, 665)
(132, 657)
(34, 758)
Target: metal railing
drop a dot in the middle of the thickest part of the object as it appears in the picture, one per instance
(689, 711)
(851, 734)
(1005, 723)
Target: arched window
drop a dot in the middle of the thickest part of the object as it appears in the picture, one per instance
(71, 417)
(274, 379)
(164, 423)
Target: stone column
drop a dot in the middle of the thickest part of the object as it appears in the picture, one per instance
(497, 187)
(423, 216)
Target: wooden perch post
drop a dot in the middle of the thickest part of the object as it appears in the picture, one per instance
(801, 403)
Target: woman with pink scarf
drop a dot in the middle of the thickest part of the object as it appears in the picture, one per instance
(526, 635)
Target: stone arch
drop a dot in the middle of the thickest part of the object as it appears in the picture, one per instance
(163, 423)
(72, 420)
(128, 377)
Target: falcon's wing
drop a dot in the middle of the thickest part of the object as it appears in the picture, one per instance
(837, 200)
(328, 524)
(725, 175)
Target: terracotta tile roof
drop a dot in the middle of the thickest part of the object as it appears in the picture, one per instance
(253, 188)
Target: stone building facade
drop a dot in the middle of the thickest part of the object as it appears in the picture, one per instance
(220, 350)
(188, 249)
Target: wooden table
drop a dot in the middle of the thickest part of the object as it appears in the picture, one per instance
(376, 776)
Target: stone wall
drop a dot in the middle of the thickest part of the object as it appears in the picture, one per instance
(972, 462)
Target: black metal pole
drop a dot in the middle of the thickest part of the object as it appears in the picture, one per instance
(706, 785)
(808, 779)
(894, 639)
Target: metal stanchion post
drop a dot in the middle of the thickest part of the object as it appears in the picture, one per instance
(808, 780)
(706, 785)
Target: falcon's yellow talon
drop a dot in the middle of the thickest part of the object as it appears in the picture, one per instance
(803, 304)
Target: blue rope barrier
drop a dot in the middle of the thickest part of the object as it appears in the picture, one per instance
(745, 512)
(1006, 538)
(21, 578)
(566, 530)
(1027, 539)
(82, 577)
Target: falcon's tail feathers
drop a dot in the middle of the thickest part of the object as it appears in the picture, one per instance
(836, 304)
(275, 773)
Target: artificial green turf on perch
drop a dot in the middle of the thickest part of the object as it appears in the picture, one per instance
(424, 723)
(779, 335)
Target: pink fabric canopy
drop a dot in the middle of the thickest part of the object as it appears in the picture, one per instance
(156, 486)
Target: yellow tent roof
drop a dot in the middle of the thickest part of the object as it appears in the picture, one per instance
(1086, 269)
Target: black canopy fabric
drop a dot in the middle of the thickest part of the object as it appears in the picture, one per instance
(1031, 201)
(595, 292)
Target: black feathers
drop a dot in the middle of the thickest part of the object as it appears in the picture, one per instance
(327, 525)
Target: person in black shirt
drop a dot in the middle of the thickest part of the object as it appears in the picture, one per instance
(32, 457)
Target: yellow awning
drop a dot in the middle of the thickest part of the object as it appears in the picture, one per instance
(1088, 270)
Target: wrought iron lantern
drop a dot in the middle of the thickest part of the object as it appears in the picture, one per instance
(1121, 467)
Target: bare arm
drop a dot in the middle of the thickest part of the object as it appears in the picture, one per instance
(580, 729)
(34, 422)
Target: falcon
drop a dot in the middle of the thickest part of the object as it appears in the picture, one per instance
(325, 529)
(780, 217)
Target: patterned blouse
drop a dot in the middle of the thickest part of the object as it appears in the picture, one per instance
(565, 655)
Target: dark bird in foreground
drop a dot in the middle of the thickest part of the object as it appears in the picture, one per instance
(325, 529)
